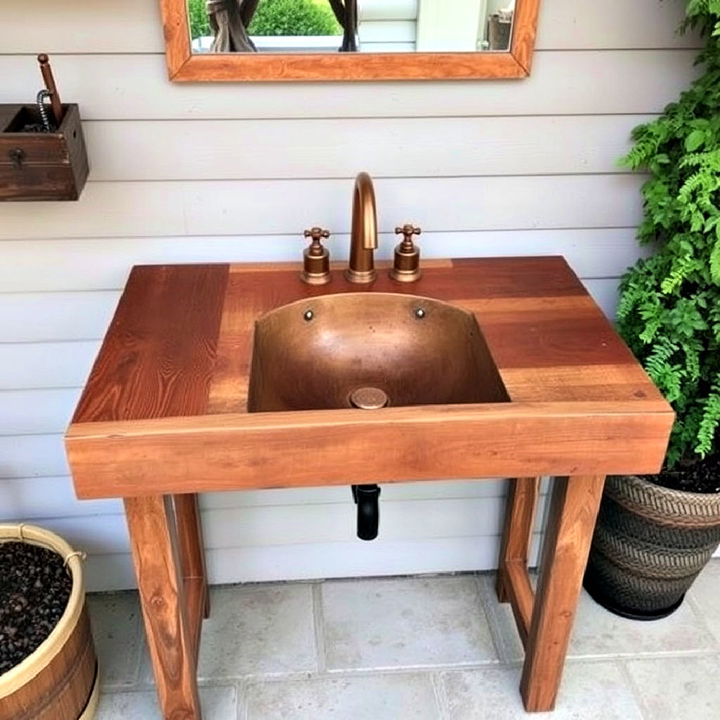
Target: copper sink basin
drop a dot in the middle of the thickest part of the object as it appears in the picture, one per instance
(395, 349)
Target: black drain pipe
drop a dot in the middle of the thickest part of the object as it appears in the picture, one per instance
(368, 511)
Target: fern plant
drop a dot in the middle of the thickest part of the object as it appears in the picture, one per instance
(669, 312)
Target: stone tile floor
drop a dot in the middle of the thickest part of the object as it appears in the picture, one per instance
(421, 648)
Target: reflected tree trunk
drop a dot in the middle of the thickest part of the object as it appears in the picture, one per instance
(346, 14)
(229, 20)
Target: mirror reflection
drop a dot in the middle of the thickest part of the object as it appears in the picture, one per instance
(367, 26)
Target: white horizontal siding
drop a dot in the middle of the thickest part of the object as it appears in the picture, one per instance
(308, 562)
(36, 412)
(31, 318)
(386, 147)
(31, 264)
(383, 10)
(612, 24)
(388, 47)
(133, 87)
(214, 172)
(286, 207)
(274, 534)
(106, 534)
(37, 498)
(46, 364)
(31, 456)
(134, 26)
(386, 31)
(53, 497)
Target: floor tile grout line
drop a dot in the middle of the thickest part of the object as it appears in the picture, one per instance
(441, 698)
(295, 675)
(495, 618)
(490, 606)
(637, 694)
(319, 627)
(241, 700)
(362, 672)
(700, 617)
(645, 655)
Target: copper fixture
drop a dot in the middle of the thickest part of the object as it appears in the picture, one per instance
(406, 266)
(316, 258)
(363, 238)
(52, 92)
(317, 353)
(369, 398)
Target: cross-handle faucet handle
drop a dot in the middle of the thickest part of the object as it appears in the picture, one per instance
(316, 258)
(406, 266)
(407, 231)
(317, 234)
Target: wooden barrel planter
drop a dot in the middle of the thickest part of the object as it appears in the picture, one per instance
(58, 680)
(650, 544)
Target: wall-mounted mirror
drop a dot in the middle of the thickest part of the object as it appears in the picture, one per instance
(266, 40)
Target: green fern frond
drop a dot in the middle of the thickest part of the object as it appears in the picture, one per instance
(665, 374)
(669, 308)
(715, 258)
(709, 423)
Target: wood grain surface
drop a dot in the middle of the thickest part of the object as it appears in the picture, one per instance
(158, 356)
(300, 448)
(172, 634)
(165, 405)
(192, 547)
(520, 509)
(571, 519)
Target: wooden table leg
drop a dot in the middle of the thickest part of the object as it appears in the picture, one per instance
(151, 521)
(192, 552)
(571, 520)
(519, 518)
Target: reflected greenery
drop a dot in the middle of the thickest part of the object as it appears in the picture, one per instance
(294, 17)
(198, 17)
(275, 18)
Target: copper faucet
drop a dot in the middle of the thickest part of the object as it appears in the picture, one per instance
(364, 236)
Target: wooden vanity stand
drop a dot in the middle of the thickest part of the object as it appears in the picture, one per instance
(164, 416)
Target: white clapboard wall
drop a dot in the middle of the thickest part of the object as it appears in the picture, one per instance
(387, 25)
(235, 172)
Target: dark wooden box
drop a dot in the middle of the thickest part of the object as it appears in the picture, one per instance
(41, 166)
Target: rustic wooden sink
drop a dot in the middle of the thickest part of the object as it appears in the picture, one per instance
(167, 403)
(320, 353)
(223, 377)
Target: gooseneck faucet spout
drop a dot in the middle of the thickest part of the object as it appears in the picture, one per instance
(364, 236)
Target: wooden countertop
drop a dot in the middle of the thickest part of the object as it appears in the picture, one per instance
(175, 362)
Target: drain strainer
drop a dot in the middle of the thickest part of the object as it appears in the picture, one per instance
(368, 398)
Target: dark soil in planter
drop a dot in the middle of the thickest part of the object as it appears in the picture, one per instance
(699, 477)
(34, 592)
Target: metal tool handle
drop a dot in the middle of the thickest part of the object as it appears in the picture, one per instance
(49, 81)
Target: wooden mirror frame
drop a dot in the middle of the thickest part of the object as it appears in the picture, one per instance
(184, 66)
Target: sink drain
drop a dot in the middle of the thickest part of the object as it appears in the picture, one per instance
(368, 398)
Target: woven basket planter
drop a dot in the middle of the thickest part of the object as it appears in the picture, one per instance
(58, 681)
(650, 544)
